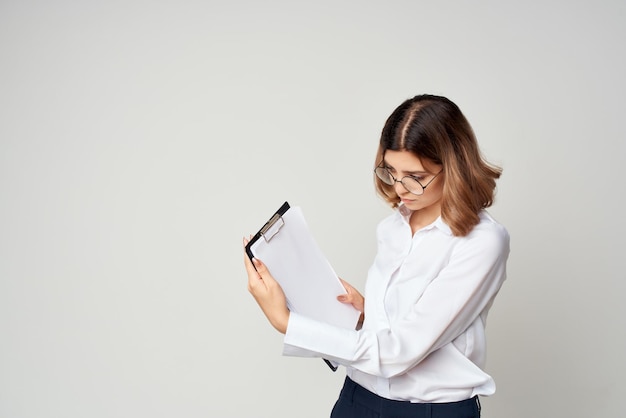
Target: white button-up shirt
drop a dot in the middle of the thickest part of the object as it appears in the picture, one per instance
(426, 301)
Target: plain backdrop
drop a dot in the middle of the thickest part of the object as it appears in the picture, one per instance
(141, 140)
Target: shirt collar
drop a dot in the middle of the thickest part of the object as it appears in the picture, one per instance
(438, 223)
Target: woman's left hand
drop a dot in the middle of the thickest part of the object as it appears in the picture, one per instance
(352, 296)
(267, 293)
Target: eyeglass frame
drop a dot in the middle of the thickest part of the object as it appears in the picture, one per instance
(395, 180)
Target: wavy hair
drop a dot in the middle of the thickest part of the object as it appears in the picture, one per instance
(434, 128)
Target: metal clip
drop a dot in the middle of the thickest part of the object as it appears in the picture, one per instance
(272, 227)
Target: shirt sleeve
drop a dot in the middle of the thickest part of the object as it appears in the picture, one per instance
(449, 305)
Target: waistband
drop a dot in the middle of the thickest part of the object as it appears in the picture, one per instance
(358, 394)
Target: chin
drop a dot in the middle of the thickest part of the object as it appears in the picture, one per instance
(412, 205)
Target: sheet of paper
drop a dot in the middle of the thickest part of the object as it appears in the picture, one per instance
(307, 278)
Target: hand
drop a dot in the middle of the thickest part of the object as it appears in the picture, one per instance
(267, 293)
(354, 298)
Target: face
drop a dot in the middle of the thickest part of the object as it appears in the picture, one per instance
(405, 163)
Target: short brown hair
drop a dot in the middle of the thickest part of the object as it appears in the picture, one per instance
(434, 128)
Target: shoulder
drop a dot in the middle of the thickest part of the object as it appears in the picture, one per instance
(487, 236)
(489, 226)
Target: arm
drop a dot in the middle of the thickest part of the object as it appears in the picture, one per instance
(453, 301)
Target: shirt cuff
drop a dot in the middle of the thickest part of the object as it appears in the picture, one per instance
(306, 337)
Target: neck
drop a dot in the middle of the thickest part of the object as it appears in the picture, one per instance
(423, 217)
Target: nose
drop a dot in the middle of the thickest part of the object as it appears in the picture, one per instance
(399, 188)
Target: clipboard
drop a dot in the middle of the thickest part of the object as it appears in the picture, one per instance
(311, 286)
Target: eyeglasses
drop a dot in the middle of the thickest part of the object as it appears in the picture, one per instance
(410, 183)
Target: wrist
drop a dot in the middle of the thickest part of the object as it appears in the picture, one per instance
(281, 322)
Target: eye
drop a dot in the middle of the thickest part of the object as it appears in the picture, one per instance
(417, 178)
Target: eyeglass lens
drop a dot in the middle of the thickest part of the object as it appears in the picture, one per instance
(409, 183)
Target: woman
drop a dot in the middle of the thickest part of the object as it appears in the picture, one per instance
(441, 260)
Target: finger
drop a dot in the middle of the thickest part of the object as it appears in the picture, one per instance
(260, 267)
(250, 270)
(246, 257)
(346, 285)
(264, 273)
(246, 261)
(253, 275)
(247, 240)
(344, 298)
(347, 297)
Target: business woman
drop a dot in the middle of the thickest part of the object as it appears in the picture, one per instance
(441, 260)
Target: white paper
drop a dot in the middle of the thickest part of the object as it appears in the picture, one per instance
(307, 278)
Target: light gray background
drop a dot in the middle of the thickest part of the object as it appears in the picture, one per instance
(140, 140)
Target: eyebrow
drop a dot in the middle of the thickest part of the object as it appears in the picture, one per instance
(410, 173)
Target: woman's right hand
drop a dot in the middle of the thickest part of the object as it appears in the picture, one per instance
(267, 292)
